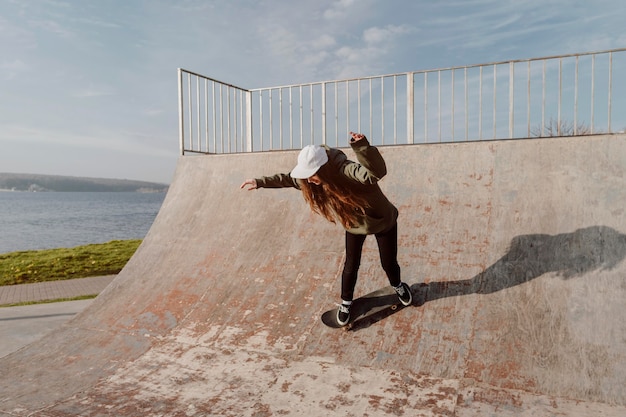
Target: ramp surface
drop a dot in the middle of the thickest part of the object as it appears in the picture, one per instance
(516, 247)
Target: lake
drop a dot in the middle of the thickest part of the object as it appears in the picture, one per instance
(48, 220)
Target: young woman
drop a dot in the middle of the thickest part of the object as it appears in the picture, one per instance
(347, 192)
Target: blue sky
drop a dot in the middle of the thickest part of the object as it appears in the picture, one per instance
(89, 87)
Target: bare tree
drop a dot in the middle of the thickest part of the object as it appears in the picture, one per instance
(556, 128)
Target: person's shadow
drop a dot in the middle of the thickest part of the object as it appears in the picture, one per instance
(530, 256)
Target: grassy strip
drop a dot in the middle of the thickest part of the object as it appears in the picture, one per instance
(55, 300)
(66, 263)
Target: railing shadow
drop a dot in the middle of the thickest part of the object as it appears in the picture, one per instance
(530, 256)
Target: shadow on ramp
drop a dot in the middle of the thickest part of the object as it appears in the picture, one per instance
(530, 256)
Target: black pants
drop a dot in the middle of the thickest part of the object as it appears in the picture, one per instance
(388, 250)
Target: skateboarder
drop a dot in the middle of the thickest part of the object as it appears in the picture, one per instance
(348, 192)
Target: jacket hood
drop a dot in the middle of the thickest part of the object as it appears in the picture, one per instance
(336, 157)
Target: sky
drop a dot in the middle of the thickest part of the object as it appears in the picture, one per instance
(89, 87)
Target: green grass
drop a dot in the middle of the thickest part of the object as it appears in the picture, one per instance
(66, 263)
(55, 300)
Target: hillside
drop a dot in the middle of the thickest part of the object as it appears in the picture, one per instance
(39, 183)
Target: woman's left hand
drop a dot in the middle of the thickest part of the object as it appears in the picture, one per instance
(356, 137)
(249, 184)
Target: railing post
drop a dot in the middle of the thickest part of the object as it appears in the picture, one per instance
(198, 129)
(181, 124)
(558, 122)
(609, 110)
(249, 146)
(324, 113)
(410, 108)
(511, 99)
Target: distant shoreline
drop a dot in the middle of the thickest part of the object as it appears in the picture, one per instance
(10, 182)
(4, 190)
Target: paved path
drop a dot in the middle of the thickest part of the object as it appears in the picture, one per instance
(23, 325)
(53, 290)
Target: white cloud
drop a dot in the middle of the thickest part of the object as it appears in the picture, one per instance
(51, 26)
(353, 55)
(188, 6)
(280, 40)
(14, 37)
(98, 23)
(339, 9)
(11, 69)
(324, 41)
(387, 34)
(374, 49)
(152, 112)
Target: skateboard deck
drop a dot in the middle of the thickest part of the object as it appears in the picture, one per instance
(368, 309)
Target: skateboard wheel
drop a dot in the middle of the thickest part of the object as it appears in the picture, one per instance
(394, 307)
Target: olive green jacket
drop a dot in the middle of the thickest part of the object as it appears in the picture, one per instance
(363, 176)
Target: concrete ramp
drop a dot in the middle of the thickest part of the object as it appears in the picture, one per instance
(516, 248)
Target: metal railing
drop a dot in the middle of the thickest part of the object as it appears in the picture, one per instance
(564, 95)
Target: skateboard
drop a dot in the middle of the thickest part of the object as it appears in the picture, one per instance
(368, 309)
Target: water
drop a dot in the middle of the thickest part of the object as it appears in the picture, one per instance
(32, 221)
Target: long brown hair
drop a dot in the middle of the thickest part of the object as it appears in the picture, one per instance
(334, 199)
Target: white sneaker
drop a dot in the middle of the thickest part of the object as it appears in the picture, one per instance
(404, 294)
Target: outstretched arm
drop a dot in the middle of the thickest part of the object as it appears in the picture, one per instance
(275, 181)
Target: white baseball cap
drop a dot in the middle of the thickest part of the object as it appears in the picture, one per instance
(310, 160)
